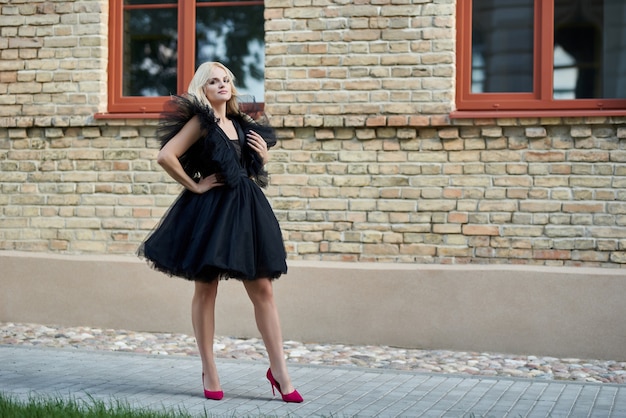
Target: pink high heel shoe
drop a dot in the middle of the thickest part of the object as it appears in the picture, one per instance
(289, 397)
(215, 395)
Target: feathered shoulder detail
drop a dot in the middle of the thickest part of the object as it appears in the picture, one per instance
(212, 153)
(178, 111)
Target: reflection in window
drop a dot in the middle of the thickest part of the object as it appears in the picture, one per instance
(228, 31)
(150, 49)
(234, 36)
(590, 38)
(565, 74)
(502, 46)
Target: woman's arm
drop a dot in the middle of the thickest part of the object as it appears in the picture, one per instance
(175, 147)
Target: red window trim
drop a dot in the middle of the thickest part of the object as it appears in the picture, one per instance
(132, 107)
(143, 106)
(538, 103)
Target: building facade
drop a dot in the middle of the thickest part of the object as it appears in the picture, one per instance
(449, 174)
(411, 131)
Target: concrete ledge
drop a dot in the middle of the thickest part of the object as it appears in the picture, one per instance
(564, 312)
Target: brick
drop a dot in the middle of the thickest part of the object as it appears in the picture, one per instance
(618, 257)
(497, 206)
(552, 254)
(491, 132)
(418, 249)
(462, 251)
(588, 156)
(480, 230)
(435, 205)
(583, 207)
(580, 131)
(449, 133)
(548, 156)
(535, 132)
(396, 205)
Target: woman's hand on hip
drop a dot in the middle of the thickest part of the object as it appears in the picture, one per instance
(208, 183)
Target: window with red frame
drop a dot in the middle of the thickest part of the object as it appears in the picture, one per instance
(542, 57)
(155, 47)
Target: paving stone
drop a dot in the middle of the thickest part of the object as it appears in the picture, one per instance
(158, 381)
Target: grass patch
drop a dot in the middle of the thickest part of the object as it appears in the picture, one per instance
(51, 407)
(76, 408)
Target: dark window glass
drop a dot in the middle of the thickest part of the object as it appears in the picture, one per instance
(134, 2)
(234, 35)
(150, 51)
(502, 46)
(589, 49)
(228, 1)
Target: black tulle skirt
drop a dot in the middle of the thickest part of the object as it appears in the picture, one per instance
(223, 233)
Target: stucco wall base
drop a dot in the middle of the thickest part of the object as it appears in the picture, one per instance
(552, 311)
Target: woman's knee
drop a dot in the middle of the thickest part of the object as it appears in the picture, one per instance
(260, 290)
(205, 290)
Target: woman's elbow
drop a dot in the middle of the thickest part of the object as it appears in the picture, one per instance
(163, 158)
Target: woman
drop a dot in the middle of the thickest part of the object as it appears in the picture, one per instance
(221, 226)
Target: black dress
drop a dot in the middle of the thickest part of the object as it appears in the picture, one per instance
(230, 231)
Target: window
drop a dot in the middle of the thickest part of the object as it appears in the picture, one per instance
(541, 57)
(155, 47)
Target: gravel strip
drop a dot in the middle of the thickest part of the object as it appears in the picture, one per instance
(383, 357)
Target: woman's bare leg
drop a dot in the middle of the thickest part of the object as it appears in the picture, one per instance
(203, 319)
(261, 294)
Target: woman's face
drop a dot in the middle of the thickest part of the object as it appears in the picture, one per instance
(219, 88)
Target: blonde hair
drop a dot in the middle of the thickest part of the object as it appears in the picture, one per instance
(203, 75)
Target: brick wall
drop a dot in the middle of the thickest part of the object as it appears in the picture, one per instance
(53, 60)
(359, 63)
(536, 192)
(369, 167)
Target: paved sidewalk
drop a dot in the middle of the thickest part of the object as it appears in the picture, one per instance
(169, 382)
